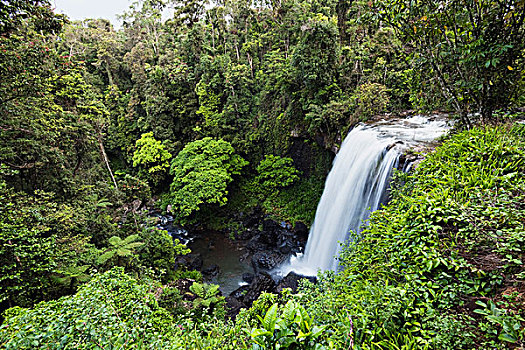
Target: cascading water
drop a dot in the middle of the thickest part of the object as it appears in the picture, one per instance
(357, 185)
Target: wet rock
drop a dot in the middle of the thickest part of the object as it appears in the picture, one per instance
(271, 232)
(267, 260)
(240, 292)
(244, 257)
(270, 226)
(262, 282)
(190, 261)
(292, 281)
(253, 220)
(246, 295)
(255, 245)
(247, 234)
(248, 277)
(285, 249)
(211, 271)
(301, 230)
(286, 225)
(233, 307)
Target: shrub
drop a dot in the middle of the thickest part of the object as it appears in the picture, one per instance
(111, 311)
(370, 99)
(275, 172)
(201, 174)
(152, 158)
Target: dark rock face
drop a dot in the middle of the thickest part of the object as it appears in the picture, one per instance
(270, 233)
(248, 277)
(305, 155)
(292, 281)
(262, 282)
(301, 230)
(267, 260)
(190, 261)
(247, 234)
(211, 271)
(239, 293)
(246, 295)
(254, 245)
(233, 307)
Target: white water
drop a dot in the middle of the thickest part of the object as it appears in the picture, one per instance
(357, 185)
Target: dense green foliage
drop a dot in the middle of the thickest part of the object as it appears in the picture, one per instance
(151, 154)
(293, 329)
(274, 172)
(470, 52)
(232, 105)
(439, 268)
(446, 249)
(201, 173)
(111, 311)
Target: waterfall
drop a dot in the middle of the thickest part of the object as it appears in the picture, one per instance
(357, 185)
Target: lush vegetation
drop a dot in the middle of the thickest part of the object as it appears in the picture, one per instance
(232, 105)
(439, 268)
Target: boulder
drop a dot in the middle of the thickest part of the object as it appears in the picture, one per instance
(270, 233)
(190, 261)
(233, 307)
(255, 245)
(262, 282)
(285, 248)
(267, 260)
(292, 281)
(248, 277)
(301, 230)
(246, 234)
(239, 293)
(211, 271)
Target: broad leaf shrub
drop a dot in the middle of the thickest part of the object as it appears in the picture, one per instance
(201, 173)
(275, 172)
(440, 267)
(152, 158)
(112, 311)
(116, 311)
(291, 328)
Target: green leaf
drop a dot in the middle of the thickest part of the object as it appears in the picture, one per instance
(257, 332)
(507, 337)
(270, 318)
(105, 257)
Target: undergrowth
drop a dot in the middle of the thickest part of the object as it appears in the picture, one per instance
(440, 267)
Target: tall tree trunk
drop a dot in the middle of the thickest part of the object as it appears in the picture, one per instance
(104, 156)
(108, 71)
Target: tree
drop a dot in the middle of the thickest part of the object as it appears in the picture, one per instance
(159, 252)
(275, 173)
(26, 251)
(71, 275)
(95, 42)
(153, 158)
(201, 174)
(15, 12)
(468, 51)
(121, 248)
